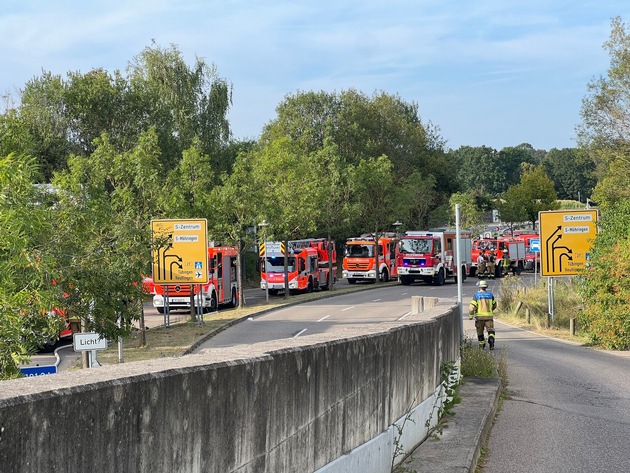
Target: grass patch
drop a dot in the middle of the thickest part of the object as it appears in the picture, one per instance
(526, 306)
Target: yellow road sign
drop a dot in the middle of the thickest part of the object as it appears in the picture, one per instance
(180, 251)
(566, 238)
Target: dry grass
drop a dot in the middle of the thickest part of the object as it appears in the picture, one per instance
(516, 300)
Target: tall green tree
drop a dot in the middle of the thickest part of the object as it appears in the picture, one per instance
(605, 129)
(102, 240)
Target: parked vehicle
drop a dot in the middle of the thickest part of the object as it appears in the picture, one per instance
(509, 252)
(432, 257)
(312, 264)
(221, 288)
(362, 263)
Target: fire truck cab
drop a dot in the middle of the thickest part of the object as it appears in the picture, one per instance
(308, 265)
(221, 288)
(359, 262)
(432, 257)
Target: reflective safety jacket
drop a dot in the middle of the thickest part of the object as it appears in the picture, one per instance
(482, 305)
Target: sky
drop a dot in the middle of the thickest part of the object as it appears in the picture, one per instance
(492, 73)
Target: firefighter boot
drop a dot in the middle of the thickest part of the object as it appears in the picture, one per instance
(491, 340)
(482, 342)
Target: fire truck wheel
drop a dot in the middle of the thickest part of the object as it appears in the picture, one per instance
(309, 288)
(438, 280)
(213, 302)
(273, 292)
(233, 299)
(351, 281)
(463, 273)
(160, 310)
(405, 280)
(384, 275)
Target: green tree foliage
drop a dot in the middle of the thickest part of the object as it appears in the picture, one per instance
(605, 128)
(512, 207)
(363, 127)
(606, 282)
(184, 105)
(102, 234)
(572, 171)
(538, 193)
(27, 291)
(471, 216)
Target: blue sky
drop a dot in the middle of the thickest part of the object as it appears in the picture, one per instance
(486, 72)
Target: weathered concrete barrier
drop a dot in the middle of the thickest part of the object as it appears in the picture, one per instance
(260, 408)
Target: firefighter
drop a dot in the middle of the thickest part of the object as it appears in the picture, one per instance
(481, 308)
(491, 264)
(481, 264)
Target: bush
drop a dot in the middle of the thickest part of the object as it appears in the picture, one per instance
(567, 300)
(606, 283)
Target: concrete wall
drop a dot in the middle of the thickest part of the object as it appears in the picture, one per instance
(256, 408)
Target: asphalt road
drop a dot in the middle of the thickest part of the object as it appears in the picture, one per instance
(378, 305)
(568, 408)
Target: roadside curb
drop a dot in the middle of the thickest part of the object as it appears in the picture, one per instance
(458, 448)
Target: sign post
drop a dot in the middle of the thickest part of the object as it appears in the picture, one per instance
(534, 245)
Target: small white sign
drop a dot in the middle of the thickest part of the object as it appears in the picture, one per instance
(89, 341)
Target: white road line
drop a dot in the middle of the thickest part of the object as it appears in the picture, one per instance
(403, 294)
(405, 316)
(376, 300)
(324, 318)
(300, 333)
(348, 308)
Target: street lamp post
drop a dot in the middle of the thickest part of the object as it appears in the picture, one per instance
(264, 224)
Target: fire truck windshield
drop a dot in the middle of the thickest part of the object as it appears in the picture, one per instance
(275, 264)
(415, 245)
(359, 251)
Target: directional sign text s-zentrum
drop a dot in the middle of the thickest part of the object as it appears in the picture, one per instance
(180, 251)
(566, 238)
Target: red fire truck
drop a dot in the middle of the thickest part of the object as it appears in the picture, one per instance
(221, 288)
(509, 252)
(432, 257)
(532, 258)
(359, 262)
(308, 265)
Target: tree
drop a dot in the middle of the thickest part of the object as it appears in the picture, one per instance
(27, 292)
(572, 171)
(237, 200)
(512, 207)
(102, 241)
(470, 214)
(605, 127)
(535, 193)
(182, 103)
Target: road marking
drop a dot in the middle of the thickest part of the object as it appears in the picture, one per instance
(403, 294)
(405, 316)
(300, 333)
(348, 308)
(324, 318)
(376, 300)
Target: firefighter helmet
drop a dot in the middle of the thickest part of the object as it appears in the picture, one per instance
(483, 284)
